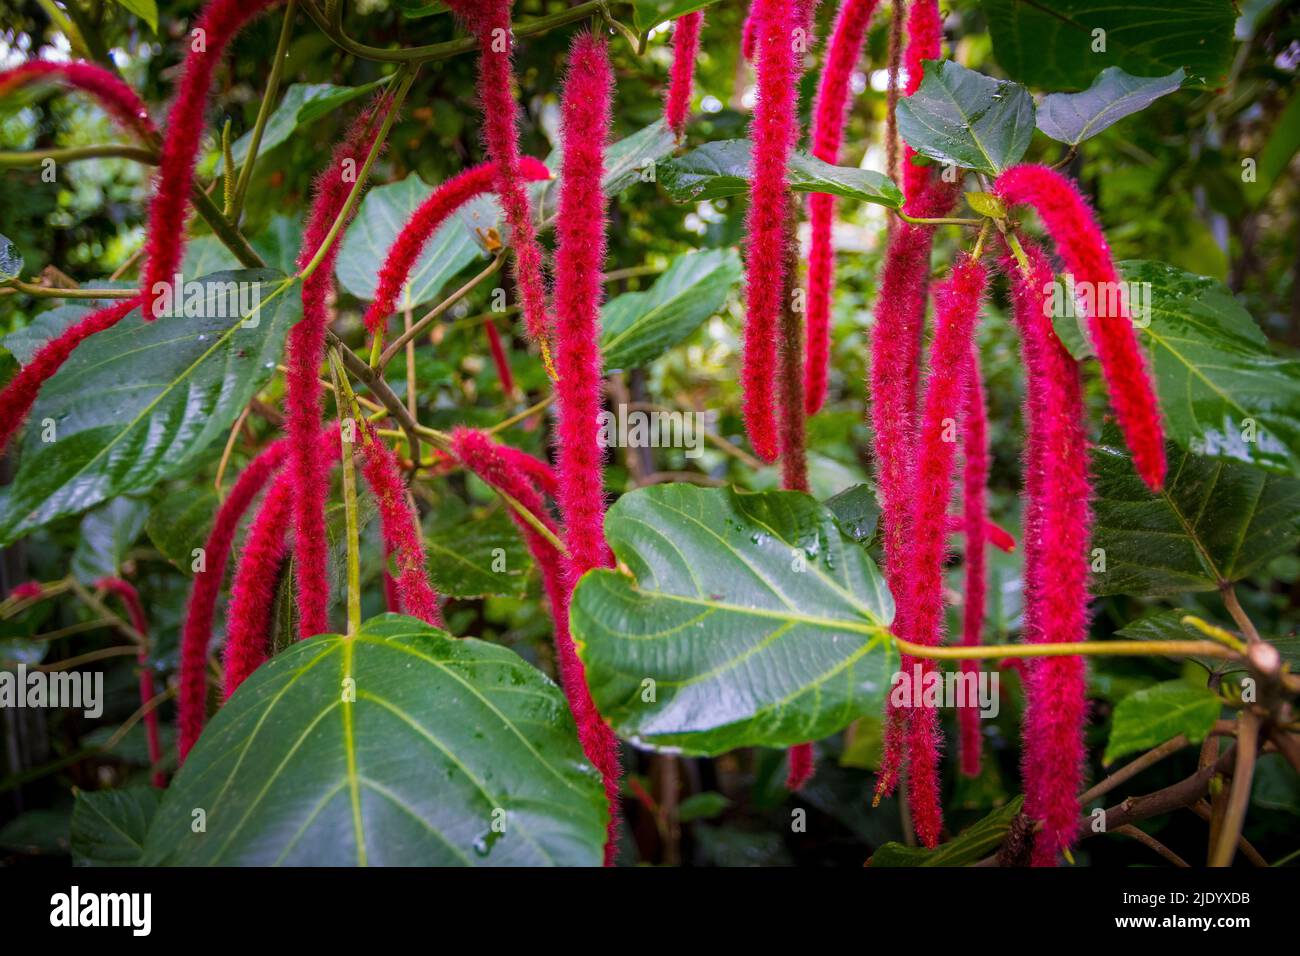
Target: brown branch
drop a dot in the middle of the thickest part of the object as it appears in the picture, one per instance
(1148, 840)
(1239, 797)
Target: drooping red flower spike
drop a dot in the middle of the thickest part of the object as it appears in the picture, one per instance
(1070, 221)
(130, 598)
(208, 578)
(121, 102)
(957, 307)
(686, 47)
(489, 22)
(306, 351)
(20, 394)
(579, 261)
(400, 529)
(1058, 522)
(772, 131)
(504, 468)
(425, 221)
(257, 575)
(924, 42)
(829, 115)
(216, 26)
(975, 476)
(499, 358)
(749, 34)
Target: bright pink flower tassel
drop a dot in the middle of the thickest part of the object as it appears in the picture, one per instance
(829, 116)
(121, 102)
(1070, 221)
(131, 599)
(579, 261)
(216, 26)
(197, 633)
(772, 131)
(20, 394)
(1058, 522)
(686, 47)
(975, 477)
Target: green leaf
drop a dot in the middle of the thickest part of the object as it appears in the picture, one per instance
(986, 204)
(11, 260)
(302, 104)
(1168, 626)
(179, 522)
(1283, 143)
(143, 401)
(464, 557)
(106, 534)
(1214, 521)
(1073, 117)
(858, 512)
(723, 168)
(638, 327)
(400, 745)
(1151, 716)
(146, 10)
(967, 119)
(383, 213)
(1053, 44)
(648, 14)
(277, 244)
(757, 620)
(970, 846)
(702, 806)
(109, 826)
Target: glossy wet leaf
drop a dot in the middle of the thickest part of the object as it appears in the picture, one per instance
(967, 119)
(973, 844)
(1215, 520)
(1054, 44)
(638, 327)
(1155, 714)
(858, 512)
(724, 168)
(383, 213)
(399, 746)
(144, 401)
(1113, 95)
(106, 534)
(744, 620)
(109, 826)
(478, 556)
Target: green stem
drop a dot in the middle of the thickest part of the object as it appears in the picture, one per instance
(945, 221)
(264, 111)
(963, 652)
(345, 403)
(70, 154)
(417, 328)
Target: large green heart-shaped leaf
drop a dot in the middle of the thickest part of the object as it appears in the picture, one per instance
(109, 826)
(724, 168)
(477, 556)
(1222, 390)
(1073, 117)
(637, 327)
(1214, 521)
(383, 213)
(142, 401)
(1151, 716)
(967, 119)
(400, 745)
(1060, 44)
(746, 619)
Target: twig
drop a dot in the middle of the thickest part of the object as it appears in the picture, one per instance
(414, 330)
(1148, 840)
(1239, 798)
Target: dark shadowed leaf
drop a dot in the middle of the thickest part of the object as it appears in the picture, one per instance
(970, 846)
(478, 556)
(106, 534)
(108, 826)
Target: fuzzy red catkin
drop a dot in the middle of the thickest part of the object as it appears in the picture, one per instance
(489, 21)
(400, 529)
(1058, 522)
(749, 34)
(425, 221)
(306, 350)
(216, 26)
(130, 598)
(829, 116)
(1070, 221)
(924, 42)
(579, 261)
(121, 102)
(20, 394)
(975, 476)
(500, 359)
(686, 47)
(504, 468)
(957, 307)
(772, 131)
(197, 632)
